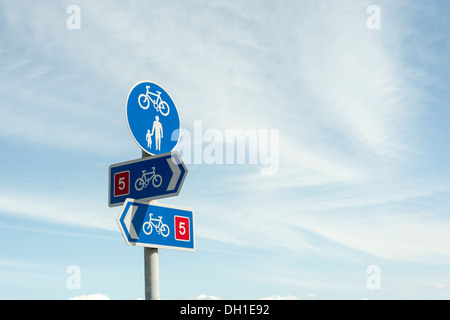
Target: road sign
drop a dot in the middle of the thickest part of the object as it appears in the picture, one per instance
(157, 225)
(146, 178)
(152, 118)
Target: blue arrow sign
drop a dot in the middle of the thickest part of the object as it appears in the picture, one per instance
(152, 118)
(146, 178)
(157, 225)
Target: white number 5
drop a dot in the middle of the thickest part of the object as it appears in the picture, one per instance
(182, 228)
(121, 183)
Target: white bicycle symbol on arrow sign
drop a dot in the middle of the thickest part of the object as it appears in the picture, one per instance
(160, 105)
(144, 181)
(161, 228)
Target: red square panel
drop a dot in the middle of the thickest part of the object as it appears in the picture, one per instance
(182, 231)
(121, 183)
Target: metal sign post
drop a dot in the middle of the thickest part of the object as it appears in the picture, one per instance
(151, 270)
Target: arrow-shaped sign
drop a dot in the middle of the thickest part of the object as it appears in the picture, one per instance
(157, 225)
(146, 178)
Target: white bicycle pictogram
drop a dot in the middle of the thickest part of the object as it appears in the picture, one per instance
(144, 181)
(160, 105)
(161, 228)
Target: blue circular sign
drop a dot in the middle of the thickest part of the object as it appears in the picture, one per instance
(152, 118)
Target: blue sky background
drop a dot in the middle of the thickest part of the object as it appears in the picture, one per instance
(363, 120)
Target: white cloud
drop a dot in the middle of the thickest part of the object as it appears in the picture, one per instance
(207, 297)
(276, 297)
(96, 296)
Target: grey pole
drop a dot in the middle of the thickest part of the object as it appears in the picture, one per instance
(151, 270)
(151, 273)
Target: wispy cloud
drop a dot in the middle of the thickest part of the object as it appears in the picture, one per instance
(61, 209)
(339, 93)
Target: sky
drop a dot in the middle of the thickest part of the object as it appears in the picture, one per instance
(357, 199)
